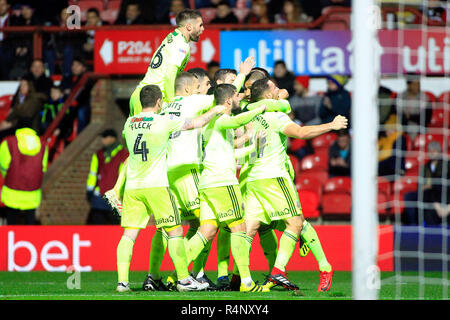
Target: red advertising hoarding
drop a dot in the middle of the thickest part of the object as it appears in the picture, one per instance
(130, 51)
(93, 248)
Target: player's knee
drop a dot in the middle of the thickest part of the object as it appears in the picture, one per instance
(237, 225)
(174, 231)
(208, 230)
(295, 224)
(252, 227)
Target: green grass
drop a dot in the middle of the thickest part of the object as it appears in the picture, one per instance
(101, 285)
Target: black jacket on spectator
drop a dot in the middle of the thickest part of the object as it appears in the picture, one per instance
(42, 84)
(286, 82)
(230, 18)
(340, 105)
(69, 82)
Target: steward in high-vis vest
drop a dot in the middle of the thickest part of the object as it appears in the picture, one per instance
(105, 166)
(23, 161)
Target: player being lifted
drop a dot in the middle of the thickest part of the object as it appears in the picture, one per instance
(147, 188)
(271, 194)
(168, 60)
(220, 197)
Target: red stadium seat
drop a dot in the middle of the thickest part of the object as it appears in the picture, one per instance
(324, 140)
(412, 166)
(384, 193)
(297, 144)
(109, 15)
(338, 185)
(384, 186)
(336, 203)
(421, 141)
(444, 97)
(5, 106)
(440, 118)
(310, 184)
(321, 176)
(314, 162)
(382, 203)
(113, 4)
(400, 188)
(310, 202)
(208, 14)
(87, 4)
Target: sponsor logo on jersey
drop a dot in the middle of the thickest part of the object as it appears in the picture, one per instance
(194, 203)
(165, 220)
(142, 119)
(222, 215)
(281, 213)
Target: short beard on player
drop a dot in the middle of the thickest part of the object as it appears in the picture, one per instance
(194, 37)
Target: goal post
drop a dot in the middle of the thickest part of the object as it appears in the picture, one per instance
(364, 122)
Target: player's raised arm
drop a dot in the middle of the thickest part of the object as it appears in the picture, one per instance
(293, 130)
(244, 69)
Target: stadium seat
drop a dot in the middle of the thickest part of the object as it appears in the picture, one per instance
(309, 183)
(208, 14)
(337, 16)
(400, 187)
(310, 202)
(109, 15)
(412, 166)
(384, 192)
(336, 204)
(321, 176)
(444, 97)
(5, 106)
(314, 162)
(440, 118)
(297, 144)
(324, 140)
(87, 4)
(338, 184)
(113, 4)
(421, 141)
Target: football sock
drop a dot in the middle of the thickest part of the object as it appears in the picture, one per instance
(310, 237)
(269, 244)
(124, 253)
(240, 248)
(199, 263)
(223, 251)
(157, 252)
(190, 233)
(177, 253)
(288, 241)
(195, 246)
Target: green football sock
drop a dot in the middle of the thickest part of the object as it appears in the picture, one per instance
(269, 244)
(199, 263)
(288, 241)
(157, 252)
(124, 254)
(223, 251)
(240, 248)
(177, 253)
(195, 246)
(310, 237)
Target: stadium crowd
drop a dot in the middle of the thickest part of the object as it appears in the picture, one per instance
(39, 97)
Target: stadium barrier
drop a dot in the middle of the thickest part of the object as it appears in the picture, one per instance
(93, 248)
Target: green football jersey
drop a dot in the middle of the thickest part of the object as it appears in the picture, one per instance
(174, 50)
(147, 138)
(219, 163)
(271, 160)
(185, 146)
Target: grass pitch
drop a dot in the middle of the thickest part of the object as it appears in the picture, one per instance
(101, 286)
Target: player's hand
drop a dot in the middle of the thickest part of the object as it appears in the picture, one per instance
(283, 94)
(263, 108)
(339, 122)
(247, 65)
(220, 108)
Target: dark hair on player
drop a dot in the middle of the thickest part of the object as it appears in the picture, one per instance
(260, 70)
(149, 95)
(258, 89)
(183, 79)
(185, 15)
(255, 75)
(223, 92)
(222, 73)
(199, 73)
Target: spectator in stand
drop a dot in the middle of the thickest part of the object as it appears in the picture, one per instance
(386, 107)
(283, 77)
(23, 161)
(105, 166)
(133, 15)
(213, 66)
(224, 14)
(92, 19)
(312, 8)
(83, 100)
(26, 104)
(304, 105)
(37, 76)
(213, 3)
(390, 142)
(336, 101)
(433, 191)
(436, 11)
(6, 54)
(23, 42)
(339, 163)
(258, 13)
(176, 6)
(291, 12)
(328, 3)
(63, 46)
(414, 106)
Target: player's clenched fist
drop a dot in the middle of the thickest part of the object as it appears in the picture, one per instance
(339, 122)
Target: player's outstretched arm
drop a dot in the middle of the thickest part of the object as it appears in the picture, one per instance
(227, 122)
(202, 120)
(293, 130)
(244, 69)
(272, 105)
